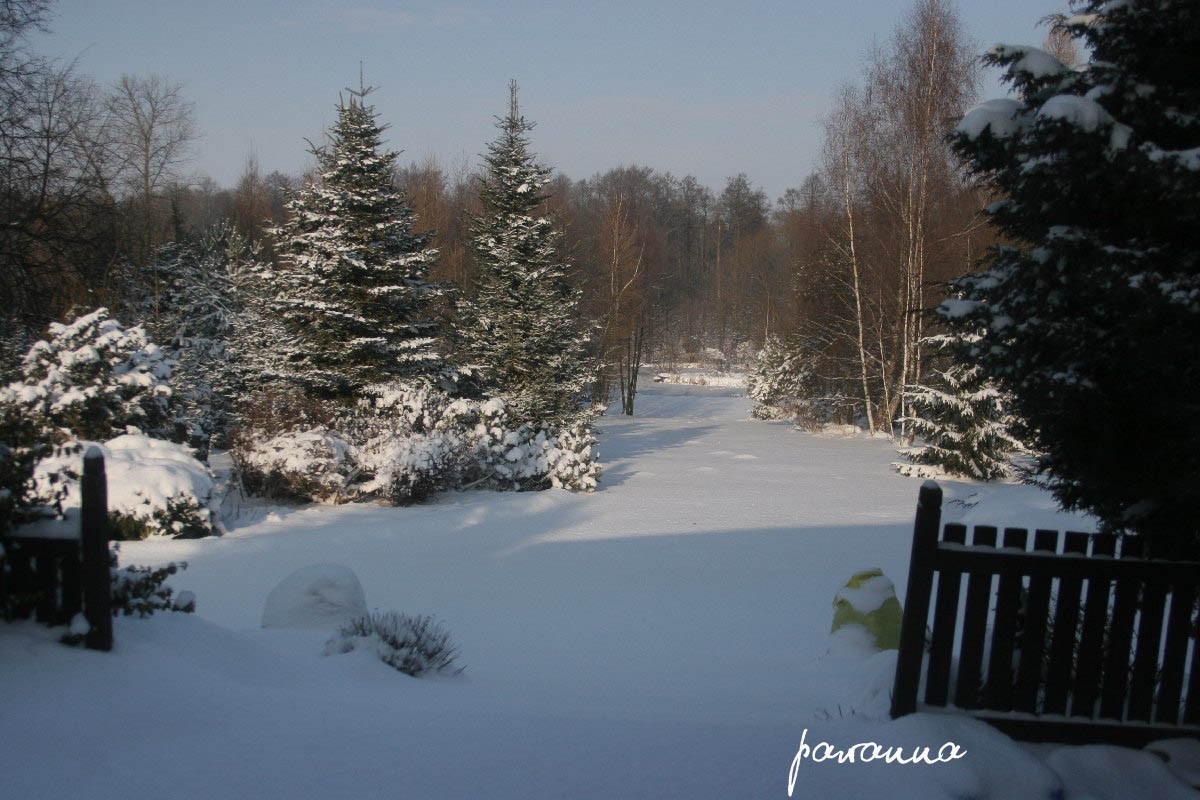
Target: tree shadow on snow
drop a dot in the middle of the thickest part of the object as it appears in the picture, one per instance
(621, 444)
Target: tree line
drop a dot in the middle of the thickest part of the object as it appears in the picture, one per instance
(842, 266)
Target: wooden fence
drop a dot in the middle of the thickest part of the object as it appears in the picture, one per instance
(1074, 640)
(53, 578)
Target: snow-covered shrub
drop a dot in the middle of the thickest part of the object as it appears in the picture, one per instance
(744, 354)
(278, 409)
(154, 487)
(409, 409)
(409, 443)
(414, 645)
(528, 457)
(143, 590)
(316, 596)
(715, 358)
(404, 444)
(92, 378)
(181, 517)
(291, 446)
(297, 465)
(575, 467)
(409, 469)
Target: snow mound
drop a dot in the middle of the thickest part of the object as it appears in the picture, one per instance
(317, 596)
(147, 480)
(852, 641)
(1093, 771)
(142, 470)
(1182, 757)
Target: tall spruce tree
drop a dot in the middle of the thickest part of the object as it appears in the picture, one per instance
(1091, 313)
(522, 331)
(203, 287)
(352, 288)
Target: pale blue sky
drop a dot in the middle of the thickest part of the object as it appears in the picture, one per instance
(708, 89)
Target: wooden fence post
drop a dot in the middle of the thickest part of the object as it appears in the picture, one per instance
(916, 600)
(97, 578)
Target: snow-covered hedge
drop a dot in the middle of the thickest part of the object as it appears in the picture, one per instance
(405, 444)
(294, 465)
(155, 487)
(529, 457)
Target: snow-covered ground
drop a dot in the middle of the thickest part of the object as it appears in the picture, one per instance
(664, 637)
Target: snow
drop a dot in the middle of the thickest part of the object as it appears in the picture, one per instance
(1187, 159)
(1006, 117)
(694, 376)
(318, 596)
(954, 307)
(79, 625)
(1037, 63)
(999, 115)
(663, 637)
(852, 640)
(869, 595)
(1085, 114)
(1182, 757)
(1093, 771)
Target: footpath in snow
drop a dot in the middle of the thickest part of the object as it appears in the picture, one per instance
(664, 637)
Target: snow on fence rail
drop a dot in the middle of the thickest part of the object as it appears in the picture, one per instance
(1080, 643)
(55, 577)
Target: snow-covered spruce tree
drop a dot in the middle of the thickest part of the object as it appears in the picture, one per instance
(779, 380)
(1091, 314)
(522, 331)
(200, 296)
(91, 379)
(351, 286)
(959, 415)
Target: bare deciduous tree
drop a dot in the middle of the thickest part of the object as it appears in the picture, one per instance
(916, 89)
(844, 142)
(153, 132)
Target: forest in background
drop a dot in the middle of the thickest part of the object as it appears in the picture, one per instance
(96, 190)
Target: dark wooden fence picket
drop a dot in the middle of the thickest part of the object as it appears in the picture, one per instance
(54, 578)
(1083, 644)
